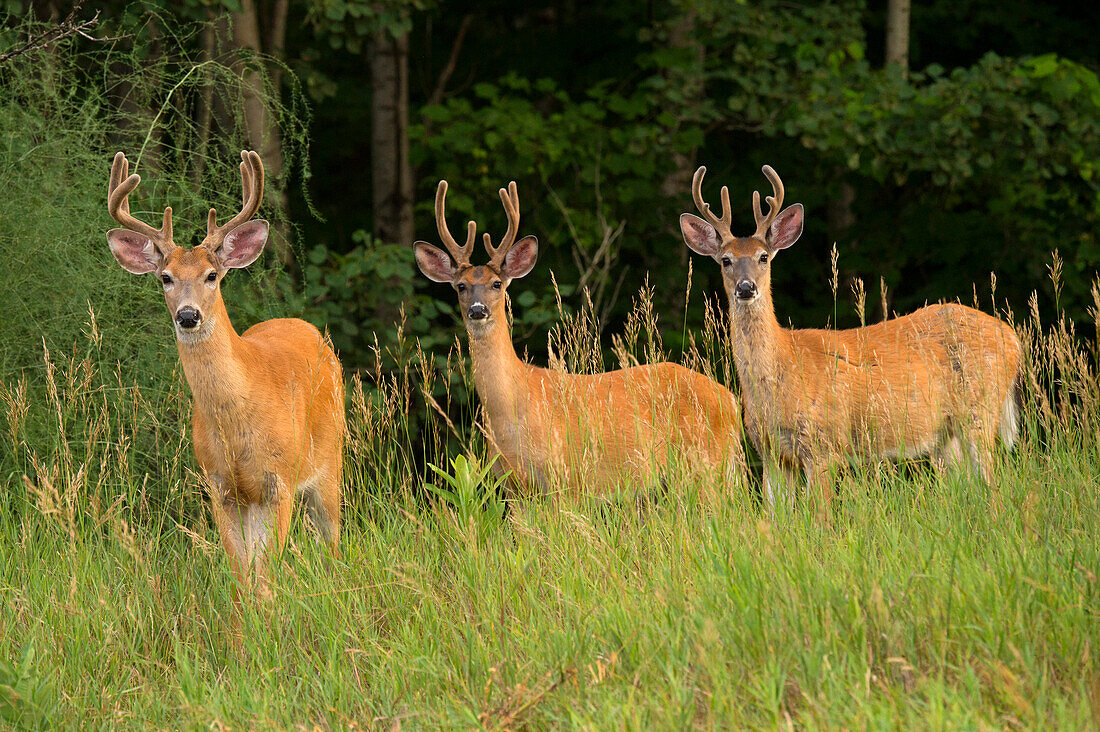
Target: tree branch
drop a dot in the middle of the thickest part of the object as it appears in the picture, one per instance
(68, 27)
(449, 69)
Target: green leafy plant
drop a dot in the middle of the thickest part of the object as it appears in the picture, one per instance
(471, 493)
(27, 699)
(344, 291)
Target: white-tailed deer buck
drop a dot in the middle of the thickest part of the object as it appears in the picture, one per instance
(634, 427)
(268, 416)
(940, 382)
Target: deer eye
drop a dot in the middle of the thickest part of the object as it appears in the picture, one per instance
(212, 277)
(726, 261)
(460, 287)
(764, 258)
(497, 285)
(166, 279)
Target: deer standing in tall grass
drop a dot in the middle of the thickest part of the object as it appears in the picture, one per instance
(268, 416)
(636, 426)
(941, 381)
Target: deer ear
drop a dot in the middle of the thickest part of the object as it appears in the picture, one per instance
(435, 263)
(701, 237)
(136, 253)
(786, 228)
(243, 245)
(520, 259)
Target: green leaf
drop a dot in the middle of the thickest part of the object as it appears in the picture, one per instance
(1044, 65)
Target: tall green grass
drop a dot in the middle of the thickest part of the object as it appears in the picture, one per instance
(926, 602)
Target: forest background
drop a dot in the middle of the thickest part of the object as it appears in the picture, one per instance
(932, 146)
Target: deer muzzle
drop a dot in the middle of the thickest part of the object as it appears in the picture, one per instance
(745, 290)
(188, 317)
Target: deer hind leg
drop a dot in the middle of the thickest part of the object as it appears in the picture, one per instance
(779, 484)
(979, 447)
(733, 477)
(949, 454)
(1008, 427)
(819, 485)
(322, 499)
(735, 468)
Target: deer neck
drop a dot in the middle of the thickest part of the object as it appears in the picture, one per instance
(759, 345)
(498, 372)
(213, 362)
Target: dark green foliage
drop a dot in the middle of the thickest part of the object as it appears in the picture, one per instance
(999, 160)
(344, 292)
(955, 173)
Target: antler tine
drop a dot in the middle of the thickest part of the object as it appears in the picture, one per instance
(252, 194)
(246, 181)
(775, 203)
(721, 224)
(119, 188)
(460, 253)
(510, 199)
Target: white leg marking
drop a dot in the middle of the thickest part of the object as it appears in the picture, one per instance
(778, 484)
(769, 491)
(1009, 427)
(249, 529)
(950, 453)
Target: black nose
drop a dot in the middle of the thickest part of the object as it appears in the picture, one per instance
(188, 317)
(745, 290)
(478, 311)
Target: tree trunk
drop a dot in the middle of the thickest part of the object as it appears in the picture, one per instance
(391, 176)
(689, 80)
(839, 217)
(205, 111)
(261, 127)
(897, 34)
(277, 33)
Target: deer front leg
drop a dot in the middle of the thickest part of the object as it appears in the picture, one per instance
(229, 522)
(322, 500)
(246, 529)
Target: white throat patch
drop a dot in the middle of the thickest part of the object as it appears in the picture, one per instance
(480, 328)
(746, 303)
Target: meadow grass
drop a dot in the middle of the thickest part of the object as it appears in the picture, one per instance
(927, 601)
(925, 604)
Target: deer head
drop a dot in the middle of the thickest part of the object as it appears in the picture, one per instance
(191, 277)
(480, 288)
(746, 261)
